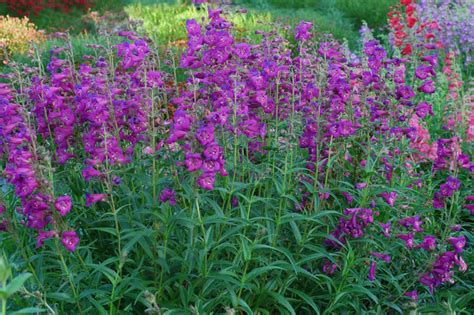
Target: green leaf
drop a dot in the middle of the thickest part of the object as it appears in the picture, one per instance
(16, 283)
(29, 310)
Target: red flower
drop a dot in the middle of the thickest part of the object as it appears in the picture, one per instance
(407, 50)
(411, 21)
(409, 10)
(405, 2)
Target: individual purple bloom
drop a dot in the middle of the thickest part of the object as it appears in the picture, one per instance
(70, 240)
(193, 162)
(405, 92)
(429, 243)
(154, 78)
(461, 263)
(212, 152)
(89, 172)
(438, 201)
(211, 166)
(445, 190)
(348, 197)
(423, 109)
(2, 209)
(386, 228)
(168, 194)
(456, 227)
(205, 135)
(63, 205)
(423, 72)
(427, 87)
(329, 268)
(431, 59)
(234, 201)
(43, 235)
(94, 198)
(242, 50)
(458, 243)
(384, 257)
(302, 31)
(206, 181)
(470, 208)
(360, 186)
(412, 294)
(453, 183)
(408, 238)
(413, 222)
(389, 197)
(372, 270)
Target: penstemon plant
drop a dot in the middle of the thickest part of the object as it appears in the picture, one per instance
(240, 177)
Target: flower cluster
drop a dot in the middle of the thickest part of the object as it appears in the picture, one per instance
(28, 7)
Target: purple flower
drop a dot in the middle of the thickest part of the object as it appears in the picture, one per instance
(408, 238)
(302, 31)
(413, 222)
(384, 257)
(405, 92)
(428, 244)
(90, 172)
(43, 235)
(212, 152)
(386, 228)
(206, 181)
(423, 72)
(427, 87)
(412, 294)
(205, 135)
(453, 183)
(94, 198)
(193, 162)
(348, 197)
(70, 240)
(329, 268)
(372, 269)
(168, 194)
(389, 197)
(424, 109)
(445, 190)
(63, 205)
(458, 243)
(360, 186)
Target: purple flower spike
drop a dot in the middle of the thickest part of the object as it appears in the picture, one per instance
(302, 31)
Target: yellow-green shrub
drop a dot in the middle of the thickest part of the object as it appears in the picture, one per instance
(17, 34)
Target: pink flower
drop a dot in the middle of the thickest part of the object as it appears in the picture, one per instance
(63, 205)
(70, 240)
